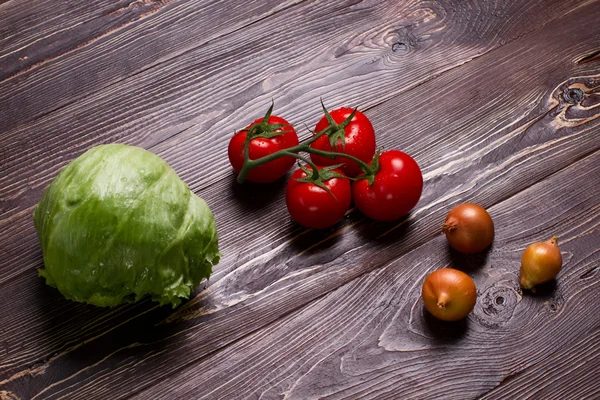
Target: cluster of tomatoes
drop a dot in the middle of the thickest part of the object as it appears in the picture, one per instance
(342, 148)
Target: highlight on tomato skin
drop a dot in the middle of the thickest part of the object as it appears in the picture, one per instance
(396, 188)
(359, 141)
(262, 147)
(314, 207)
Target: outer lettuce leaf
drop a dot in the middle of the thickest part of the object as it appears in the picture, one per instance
(117, 224)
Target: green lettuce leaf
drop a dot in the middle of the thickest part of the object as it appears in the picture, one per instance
(117, 224)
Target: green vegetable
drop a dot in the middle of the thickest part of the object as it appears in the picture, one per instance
(117, 224)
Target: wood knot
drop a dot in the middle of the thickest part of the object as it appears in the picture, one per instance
(573, 95)
(575, 90)
(497, 304)
(404, 40)
(578, 101)
(555, 300)
(399, 46)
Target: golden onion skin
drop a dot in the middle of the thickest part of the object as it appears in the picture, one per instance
(449, 294)
(541, 262)
(469, 228)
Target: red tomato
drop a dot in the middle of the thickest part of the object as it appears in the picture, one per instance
(260, 147)
(312, 206)
(359, 141)
(395, 191)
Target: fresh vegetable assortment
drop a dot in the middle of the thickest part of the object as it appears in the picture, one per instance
(117, 223)
(450, 294)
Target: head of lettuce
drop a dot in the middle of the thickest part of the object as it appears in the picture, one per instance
(117, 224)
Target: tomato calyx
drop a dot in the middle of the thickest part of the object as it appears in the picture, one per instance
(264, 129)
(321, 176)
(374, 167)
(336, 133)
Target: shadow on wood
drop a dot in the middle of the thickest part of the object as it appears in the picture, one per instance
(444, 332)
(136, 326)
(387, 232)
(469, 263)
(255, 195)
(547, 294)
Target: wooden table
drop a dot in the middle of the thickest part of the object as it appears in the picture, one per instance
(498, 101)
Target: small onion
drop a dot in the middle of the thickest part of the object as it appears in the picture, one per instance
(541, 262)
(449, 294)
(469, 228)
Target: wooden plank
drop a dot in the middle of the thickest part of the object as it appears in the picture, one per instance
(23, 255)
(187, 92)
(570, 373)
(78, 26)
(372, 338)
(22, 25)
(54, 71)
(501, 159)
(182, 94)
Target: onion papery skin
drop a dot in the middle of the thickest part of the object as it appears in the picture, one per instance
(449, 294)
(469, 228)
(541, 262)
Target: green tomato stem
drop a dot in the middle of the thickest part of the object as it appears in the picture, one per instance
(290, 151)
(333, 154)
(249, 164)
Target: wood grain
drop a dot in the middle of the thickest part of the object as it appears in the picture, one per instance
(183, 94)
(24, 255)
(111, 45)
(22, 25)
(565, 374)
(479, 96)
(192, 104)
(372, 338)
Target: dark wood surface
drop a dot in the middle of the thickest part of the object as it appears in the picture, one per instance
(482, 93)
